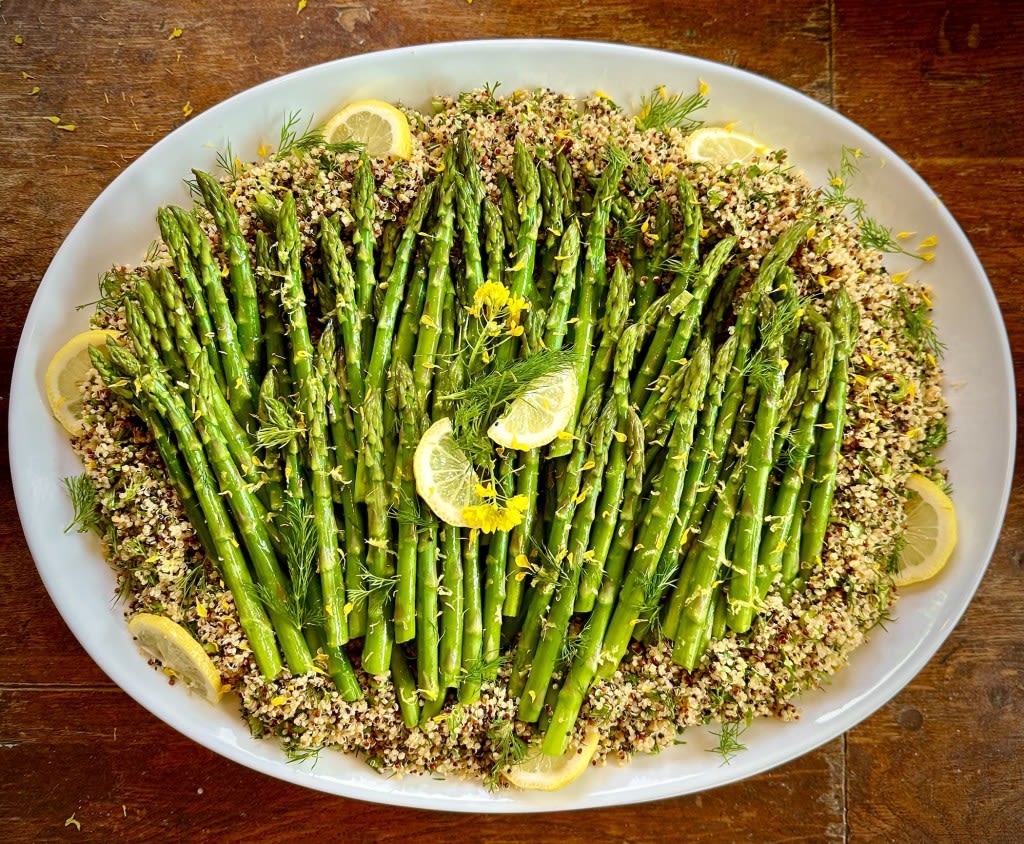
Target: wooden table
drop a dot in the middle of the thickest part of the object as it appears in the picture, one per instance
(942, 83)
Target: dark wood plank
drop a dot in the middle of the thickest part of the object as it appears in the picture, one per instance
(936, 79)
(126, 776)
(942, 83)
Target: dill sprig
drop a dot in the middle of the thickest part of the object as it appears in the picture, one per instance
(299, 539)
(300, 753)
(509, 749)
(873, 235)
(476, 406)
(407, 511)
(84, 504)
(653, 586)
(278, 428)
(227, 161)
(481, 101)
(192, 582)
(935, 435)
(614, 154)
(372, 583)
(114, 286)
(729, 743)
(481, 670)
(294, 141)
(661, 111)
(917, 325)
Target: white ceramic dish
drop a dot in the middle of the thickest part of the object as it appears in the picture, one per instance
(120, 224)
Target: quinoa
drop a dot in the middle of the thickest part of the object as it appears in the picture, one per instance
(896, 420)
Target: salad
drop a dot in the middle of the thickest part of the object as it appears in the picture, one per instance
(512, 437)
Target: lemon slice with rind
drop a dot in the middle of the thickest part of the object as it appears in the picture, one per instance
(540, 772)
(445, 477)
(721, 145)
(381, 127)
(930, 531)
(65, 374)
(178, 652)
(542, 412)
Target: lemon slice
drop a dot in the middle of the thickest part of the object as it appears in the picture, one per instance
(930, 531)
(541, 772)
(178, 653)
(445, 478)
(377, 124)
(65, 374)
(720, 145)
(537, 416)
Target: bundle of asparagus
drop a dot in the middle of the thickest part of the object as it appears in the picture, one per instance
(287, 391)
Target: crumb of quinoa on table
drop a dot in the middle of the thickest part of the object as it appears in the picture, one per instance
(896, 417)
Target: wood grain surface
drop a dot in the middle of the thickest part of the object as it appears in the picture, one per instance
(941, 82)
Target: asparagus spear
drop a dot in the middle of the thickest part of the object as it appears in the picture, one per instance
(174, 239)
(593, 266)
(228, 554)
(438, 281)
(240, 273)
(379, 631)
(659, 519)
(750, 520)
(826, 457)
(239, 382)
(409, 432)
(785, 507)
(320, 464)
(587, 661)
(363, 205)
(349, 311)
(556, 625)
(529, 470)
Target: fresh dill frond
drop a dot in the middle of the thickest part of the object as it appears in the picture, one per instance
(299, 540)
(407, 511)
(893, 559)
(729, 743)
(783, 319)
(661, 111)
(371, 583)
(653, 587)
(614, 154)
(570, 648)
(294, 141)
(630, 220)
(925, 454)
(547, 570)
(873, 235)
(638, 179)
(114, 286)
(917, 325)
(84, 504)
(477, 405)
(481, 101)
(301, 753)
(777, 321)
(192, 582)
(481, 670)
(675, 265)
(230, 163)
(278, 429)
(509, 749)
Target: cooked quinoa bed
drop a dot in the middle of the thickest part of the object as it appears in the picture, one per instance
(896, 420)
